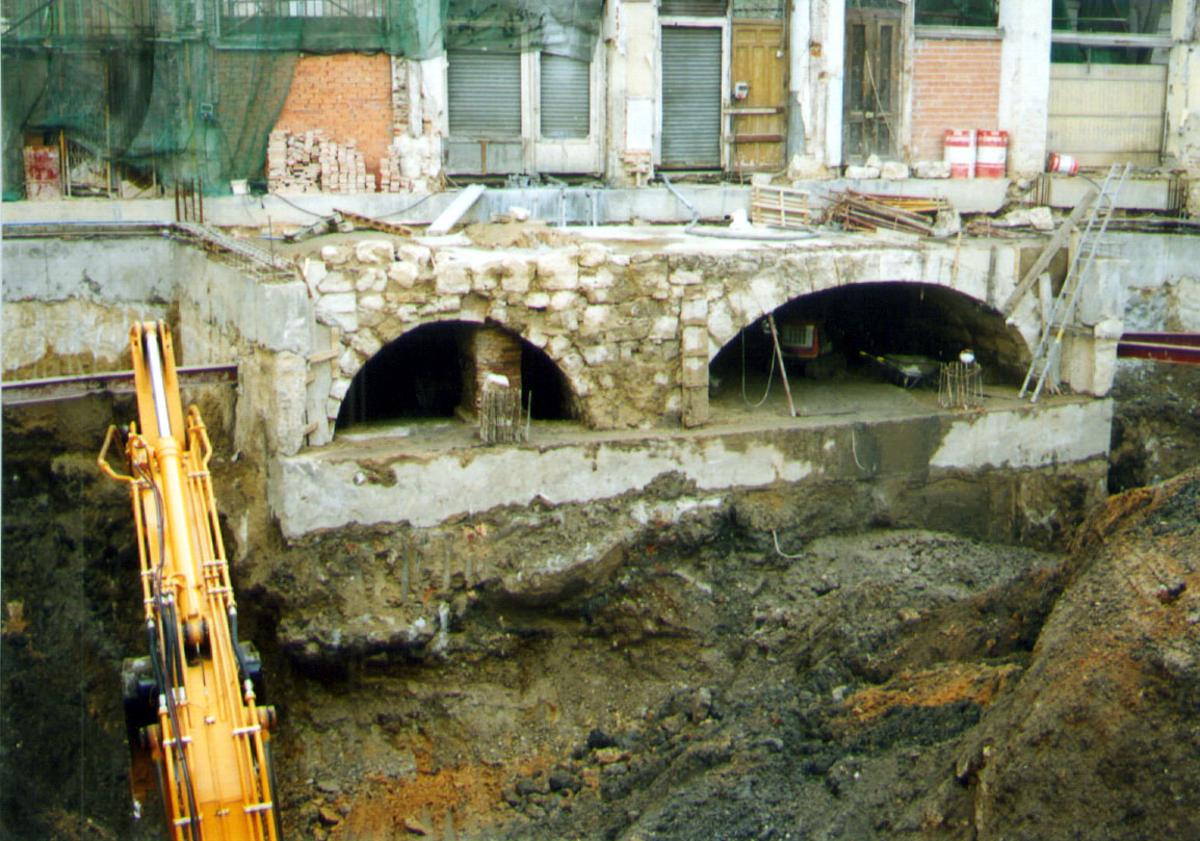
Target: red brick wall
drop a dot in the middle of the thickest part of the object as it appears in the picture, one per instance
(956, 84)
(348, 95)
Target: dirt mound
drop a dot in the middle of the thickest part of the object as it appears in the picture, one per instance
(1101, 731)
(527, 234)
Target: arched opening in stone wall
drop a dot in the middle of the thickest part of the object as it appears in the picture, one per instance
(867, 333)
(437, 370)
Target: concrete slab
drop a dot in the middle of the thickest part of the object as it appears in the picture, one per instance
(424, 486)
(1136, 194)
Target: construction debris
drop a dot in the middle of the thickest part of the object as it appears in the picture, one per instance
(312, 162)
(870, 212)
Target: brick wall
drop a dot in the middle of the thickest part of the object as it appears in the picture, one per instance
(956, 84)
(347, 95)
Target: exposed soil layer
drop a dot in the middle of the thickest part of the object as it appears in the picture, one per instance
(1156, 423)
(711, 681)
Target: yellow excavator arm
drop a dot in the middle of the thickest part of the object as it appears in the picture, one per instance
(191, 704)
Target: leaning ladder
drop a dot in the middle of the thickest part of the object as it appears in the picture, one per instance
(1048, 350)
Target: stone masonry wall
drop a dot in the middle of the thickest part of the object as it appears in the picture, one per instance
(633, 333)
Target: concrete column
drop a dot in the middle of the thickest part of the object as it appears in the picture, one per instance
(834, 62)
(1025, 82)
(799, 137)
(632, 37)
(1183, 91)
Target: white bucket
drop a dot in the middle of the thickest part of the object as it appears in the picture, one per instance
(958, 150)
(239, 187)
(1062, 163)
(991, 153)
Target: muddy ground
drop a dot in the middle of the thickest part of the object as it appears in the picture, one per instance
(713, 684)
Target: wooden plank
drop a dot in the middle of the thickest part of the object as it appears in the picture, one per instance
(457, 209)
(1052, 247)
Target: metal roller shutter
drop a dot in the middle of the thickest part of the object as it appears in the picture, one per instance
(691, 84)
(485, 94)
(566, 102)
(692, 8)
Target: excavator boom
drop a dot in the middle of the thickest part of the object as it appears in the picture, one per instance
(191, 704)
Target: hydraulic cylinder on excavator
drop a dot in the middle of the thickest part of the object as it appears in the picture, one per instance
(191, 704)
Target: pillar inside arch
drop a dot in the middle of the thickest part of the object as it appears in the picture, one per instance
(487, 350)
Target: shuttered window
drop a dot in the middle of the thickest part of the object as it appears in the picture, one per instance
(485, 93)
(566, 101)
(692, 8)
(691, 85)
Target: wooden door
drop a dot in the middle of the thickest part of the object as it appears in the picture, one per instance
(871, 97)
(758, 123)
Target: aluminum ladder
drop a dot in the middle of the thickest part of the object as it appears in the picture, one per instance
(1047, 352)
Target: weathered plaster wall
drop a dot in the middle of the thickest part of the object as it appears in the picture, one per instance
(67, 309)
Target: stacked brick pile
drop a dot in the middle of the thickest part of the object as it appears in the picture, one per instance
(311, 162)
(410, 165)
(291, 162)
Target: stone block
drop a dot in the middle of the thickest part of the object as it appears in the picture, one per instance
(592, 254)
(340, 386)
(695, 341)
(451, 277)
(595, 320)
(418, 254)
(516, 275)
(372, 302)
(335, 255)
(371, 280)
(366, 343)
(664, 327)
(537, 300)
(314, 272)
(596, 355)
(404, 273)
(338, 310)
(894, 170)
(558, 269)
(445, 303)
(563, 300)
(695, 372)
(694, 409)
(335, 282)
(932, 169)
(686, 277)
(558, 346)
(861, 173)
(349, 362)
(694, 311)
(536, 337)
(374, 251)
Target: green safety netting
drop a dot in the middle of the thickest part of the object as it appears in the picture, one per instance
(191, 88)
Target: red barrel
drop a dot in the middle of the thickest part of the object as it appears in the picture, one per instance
(991, 153)
(958, 150)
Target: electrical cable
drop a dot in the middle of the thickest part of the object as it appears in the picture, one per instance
(782, 553)
(770, 374)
